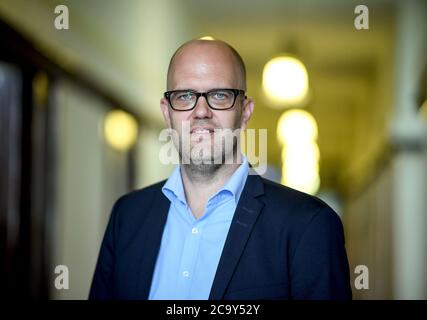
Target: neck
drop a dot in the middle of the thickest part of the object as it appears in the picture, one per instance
(202, 181)
(203, 175)
(206, 175)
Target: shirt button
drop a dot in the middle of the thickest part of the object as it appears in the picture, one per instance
(194, 231)
(186, 274)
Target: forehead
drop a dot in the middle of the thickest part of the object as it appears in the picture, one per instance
(203, 66)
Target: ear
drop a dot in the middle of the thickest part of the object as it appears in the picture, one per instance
(248, 109)
(164, 106)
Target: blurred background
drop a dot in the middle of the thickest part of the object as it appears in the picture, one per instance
(343, 97)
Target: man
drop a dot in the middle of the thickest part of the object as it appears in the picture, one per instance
(213, 231)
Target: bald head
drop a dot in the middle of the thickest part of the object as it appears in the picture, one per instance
(214, 54)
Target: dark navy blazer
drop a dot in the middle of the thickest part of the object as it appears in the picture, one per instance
(282, 244)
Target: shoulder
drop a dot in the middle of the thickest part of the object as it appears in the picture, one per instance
(143, 194)
(135, 203)
(303, 220)
(296, 209)
(290, 198)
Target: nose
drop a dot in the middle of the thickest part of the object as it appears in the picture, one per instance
(202, 110)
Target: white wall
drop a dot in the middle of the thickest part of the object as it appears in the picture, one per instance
(89, 179)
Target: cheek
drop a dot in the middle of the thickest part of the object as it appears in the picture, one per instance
(180, 123)
(232, 120)
(176, 121)
(237, 120)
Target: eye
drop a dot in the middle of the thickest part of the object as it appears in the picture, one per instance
(185, 96)
(221, 95)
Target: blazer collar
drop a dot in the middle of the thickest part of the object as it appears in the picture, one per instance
(247, 212)
(151, 232)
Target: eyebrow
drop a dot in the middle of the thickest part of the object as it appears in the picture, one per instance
(212, 89)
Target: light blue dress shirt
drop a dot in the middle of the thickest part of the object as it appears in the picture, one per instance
(191, 248)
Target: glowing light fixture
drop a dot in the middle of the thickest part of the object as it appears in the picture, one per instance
(285, 80)
(296, 125)
(207, 38)
(120, 130)
(297, 132)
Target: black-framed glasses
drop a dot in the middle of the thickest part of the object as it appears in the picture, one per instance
(217, 99)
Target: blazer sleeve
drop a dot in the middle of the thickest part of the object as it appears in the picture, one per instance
(102, 287)
(319, 268)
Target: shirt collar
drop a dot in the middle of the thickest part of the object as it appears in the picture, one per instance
(174, 189)
(237, 181)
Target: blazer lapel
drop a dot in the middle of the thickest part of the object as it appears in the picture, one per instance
(151, 232)
(241, 226)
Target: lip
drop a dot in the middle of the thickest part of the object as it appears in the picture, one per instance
(202, 130)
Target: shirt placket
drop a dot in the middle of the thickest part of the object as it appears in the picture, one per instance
(189, 253)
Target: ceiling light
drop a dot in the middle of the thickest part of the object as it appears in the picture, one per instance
(285, 81)
(121, 130)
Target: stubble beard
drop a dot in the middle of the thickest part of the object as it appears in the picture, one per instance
(204, 158)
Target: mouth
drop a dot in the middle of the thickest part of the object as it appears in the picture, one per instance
(202, 130)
